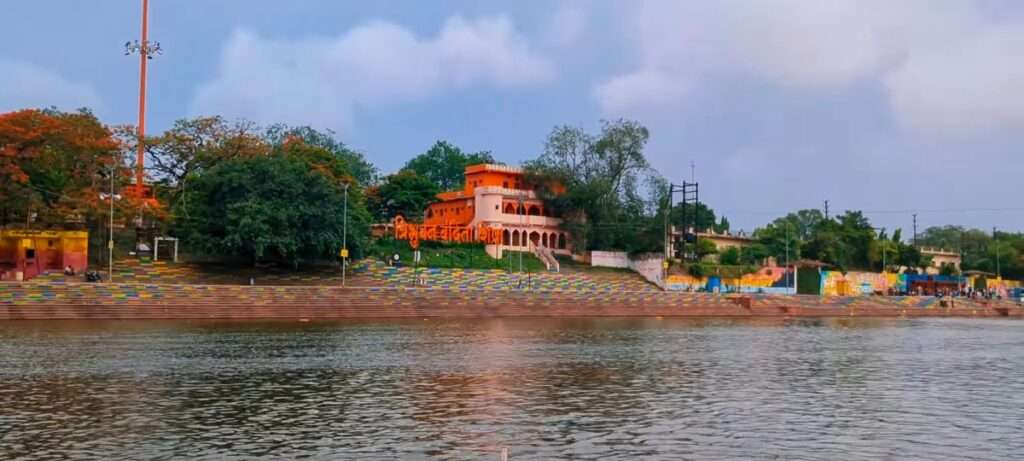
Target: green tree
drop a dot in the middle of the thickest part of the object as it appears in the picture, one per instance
(593, 183)
(192, 146)
(780, 240)
(729, 256)
(404, 193)
(702, 215)
(275, 207)
(910, 257)
(445, 164)
(704, 248)
(354, 162)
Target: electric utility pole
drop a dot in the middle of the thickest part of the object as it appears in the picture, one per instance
(915, 230)
(826, 209)
(999, 274)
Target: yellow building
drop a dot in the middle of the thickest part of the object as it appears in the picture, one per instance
(32, 252)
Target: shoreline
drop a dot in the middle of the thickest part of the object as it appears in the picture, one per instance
(135, 301)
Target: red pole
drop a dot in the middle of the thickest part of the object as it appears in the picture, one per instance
(143, 57)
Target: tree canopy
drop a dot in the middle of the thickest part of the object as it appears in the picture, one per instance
(287, 206)
(404, 193)
(445, 164)
(354, 162)
(54, 165)
(594, 182)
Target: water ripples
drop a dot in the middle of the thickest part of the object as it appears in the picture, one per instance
(546, 389)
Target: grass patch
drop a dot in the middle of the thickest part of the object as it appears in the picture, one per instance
(452, 256)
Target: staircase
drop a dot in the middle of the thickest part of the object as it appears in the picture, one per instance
(546, 256)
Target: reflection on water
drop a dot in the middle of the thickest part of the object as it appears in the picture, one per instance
(547, 389)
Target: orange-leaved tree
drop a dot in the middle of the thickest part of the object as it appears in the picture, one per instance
(53, 165)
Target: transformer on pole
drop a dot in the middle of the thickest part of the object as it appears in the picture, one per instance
(689, 193)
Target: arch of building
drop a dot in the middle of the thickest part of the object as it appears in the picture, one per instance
(510, 208)
(506, 237)
(515, 238)
(534, 210)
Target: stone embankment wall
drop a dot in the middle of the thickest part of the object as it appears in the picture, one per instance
(141, 301)
(649, 266)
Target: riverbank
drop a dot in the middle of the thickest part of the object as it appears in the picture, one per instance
(42, 301)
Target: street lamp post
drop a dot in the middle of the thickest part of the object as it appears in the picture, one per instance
(995, 240)
(522, 237)
(344, 239)
(110, 222)
(110, 230)
(788, 275)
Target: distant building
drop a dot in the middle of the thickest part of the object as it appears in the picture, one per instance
(939, 257)
(726, 240)
(497, 196)
(33, 252)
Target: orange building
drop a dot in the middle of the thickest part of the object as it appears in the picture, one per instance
(31, 253)
(497, 196)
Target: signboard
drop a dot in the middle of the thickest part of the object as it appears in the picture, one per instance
(343, 253)
(445, 233)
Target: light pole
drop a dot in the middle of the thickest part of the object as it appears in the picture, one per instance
(788, 275)
(146, 50)
(995, 240)
(110, 230)
(344, 239)
(522, 236)
(110, 222)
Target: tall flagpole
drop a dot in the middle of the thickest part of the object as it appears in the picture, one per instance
(146, 50)
(143, 57)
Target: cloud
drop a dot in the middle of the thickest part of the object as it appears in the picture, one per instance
(946, 68)
(646, 87)
(567, 25)
(321, 81)
(973, 88)
(25, 85)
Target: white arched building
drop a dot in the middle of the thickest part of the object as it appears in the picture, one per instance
(496, 196)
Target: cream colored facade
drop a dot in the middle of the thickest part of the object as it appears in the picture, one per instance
(939, 257)
(495, 196)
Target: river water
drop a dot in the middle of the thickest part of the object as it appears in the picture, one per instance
(545, 389)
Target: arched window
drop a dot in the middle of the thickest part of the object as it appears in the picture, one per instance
(544, 239)
(535, 237)
(430, 213)
(534, 210)
(505, 237)
(505, 184)
(510, 208)
(561, 241)
(515, 238)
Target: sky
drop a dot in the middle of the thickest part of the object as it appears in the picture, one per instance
(893, 108)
